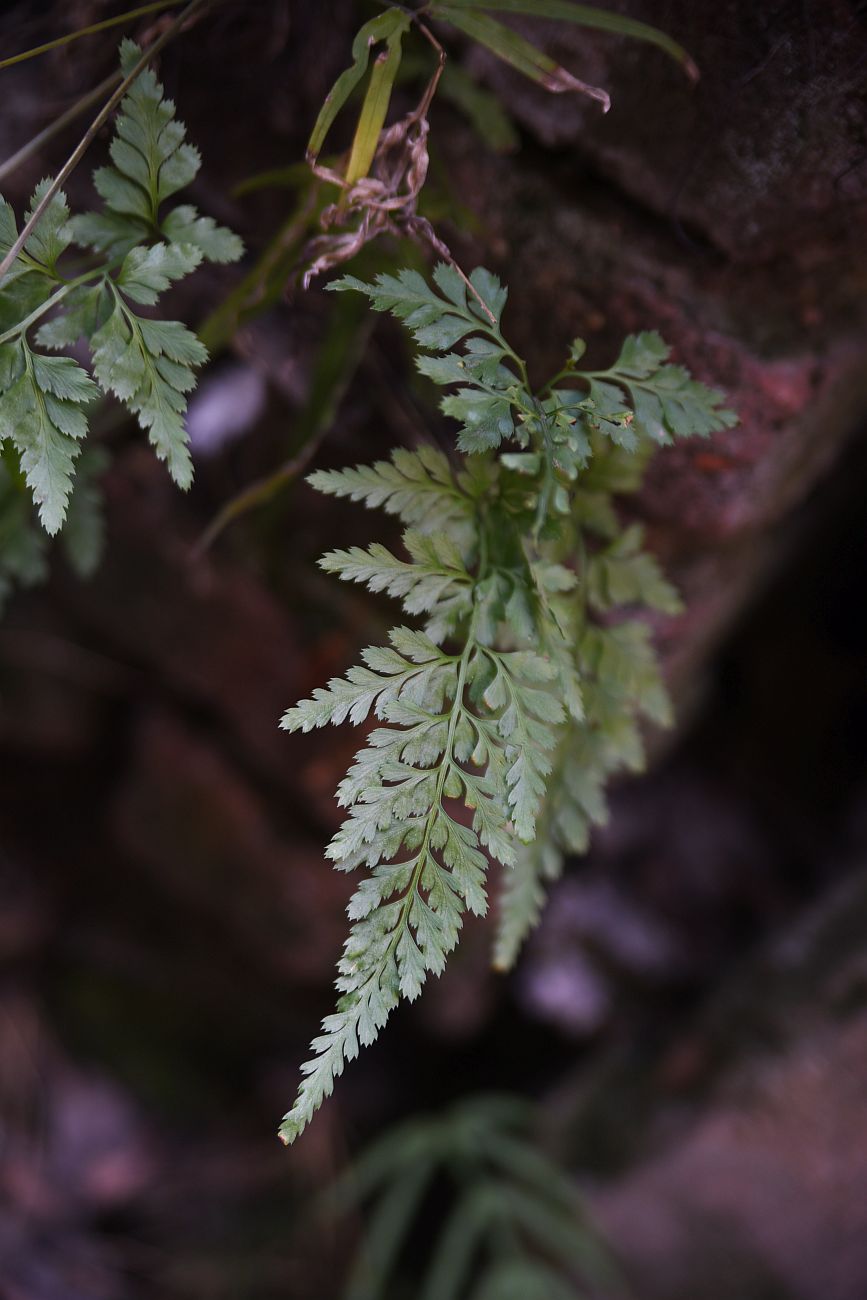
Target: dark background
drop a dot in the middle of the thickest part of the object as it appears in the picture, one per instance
(692, 1011)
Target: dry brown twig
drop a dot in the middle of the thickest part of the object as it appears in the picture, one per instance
(386, 201)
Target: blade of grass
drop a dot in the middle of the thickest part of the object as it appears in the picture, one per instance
(58, 124)
(292, 176)
(515, 50)
(387, 1232)
(589, 16)
(378, 29)
(452, 1260)
(335, 365)
(374, 109)
(489, 118)
(88, 31)
(559, 1236)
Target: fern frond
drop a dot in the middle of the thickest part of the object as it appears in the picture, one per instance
(427, 868)
(522, 696)
(435, 571)
(412, 668)
(642, 395)
(417, 486)
(489, 394)
(42, 413)
(147, 363)
(623, 573)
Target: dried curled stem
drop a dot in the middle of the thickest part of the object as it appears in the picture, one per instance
(385, 202)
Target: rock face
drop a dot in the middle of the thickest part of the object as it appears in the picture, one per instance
(762, 1191)
(764, 155)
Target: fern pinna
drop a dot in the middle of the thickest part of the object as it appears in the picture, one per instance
(500, 718)
(132, 252)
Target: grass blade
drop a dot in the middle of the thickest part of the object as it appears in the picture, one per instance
(387, 1232)
(589, 16)
(514, 49)
(374, 109)
(381, 28)
(127, 17)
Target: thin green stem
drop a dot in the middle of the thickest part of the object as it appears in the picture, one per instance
(619, 377)
(568, 372)
(35, 144)
(581, 547)
(522, 366)
(38, 312)
(542, 423)
(153, 8)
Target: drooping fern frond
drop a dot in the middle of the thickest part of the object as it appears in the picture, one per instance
(48, 305)
(42, 413)
(437, 751)
(499, 721)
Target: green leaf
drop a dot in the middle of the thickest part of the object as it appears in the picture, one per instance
(517, 51)
(522, 897)
(642, 355)
(374, 109)
(148, 365)
(435, 572)
(82, 313)
(426, 868)
(148, 272)
(624, 574)
(414, 668)
(23, 560)
(483, 110)
(112, 233)
(514, 1226)
(437, 323)
(150, 161)
(526, 721)
(216, 243)
(417, 486)
(587, 16)
(383, 1239)
(8, 227)
(485, 419)
(22, 293)
(52, 236)
(490, 290)
(640, 395)
(381, 28)
(522, 696)
(42, 414)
